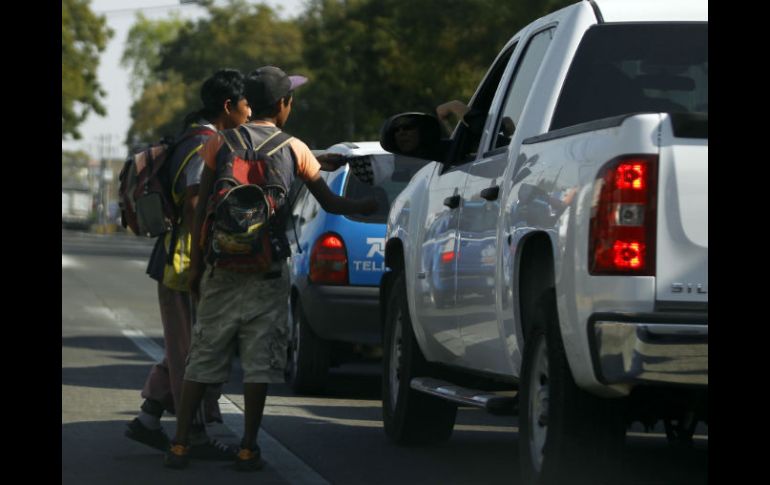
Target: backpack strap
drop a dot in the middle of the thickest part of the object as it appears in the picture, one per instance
(275, 133)
(177, 198)
(238, 135)
(232, 138)
(274, 142)
(172, 244)
(224, 138)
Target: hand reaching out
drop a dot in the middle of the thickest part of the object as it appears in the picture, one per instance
(331, 161)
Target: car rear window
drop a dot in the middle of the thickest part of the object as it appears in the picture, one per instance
(630, 68)
(385, 191)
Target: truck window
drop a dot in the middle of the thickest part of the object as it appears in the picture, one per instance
(631, 68)
(387, 190)
(468, 134)
(521, 82)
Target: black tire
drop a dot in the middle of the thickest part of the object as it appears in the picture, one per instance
(566, 434)
(308, 356)
(409, 416)
(680, 432)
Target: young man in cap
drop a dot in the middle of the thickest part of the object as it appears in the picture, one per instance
(243, 308)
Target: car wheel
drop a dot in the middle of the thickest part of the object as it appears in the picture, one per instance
(409, 416)
(566, 435)
(680, 432)
(307, 363)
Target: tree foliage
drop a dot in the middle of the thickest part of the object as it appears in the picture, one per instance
(238, 35)
(160, 109)
(372, 59)
(142, 54)
(84, 36)
(366, 59)
(74, 168)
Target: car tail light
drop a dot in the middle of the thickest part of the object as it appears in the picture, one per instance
(329, 260)
(447, 251)
(623, 217)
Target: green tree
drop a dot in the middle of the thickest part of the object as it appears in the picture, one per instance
(366, 59)
(238, 35)
(142, 54)
(371, 59)
(74, 168)
(160, 109)
(84, 35)
(160, 97)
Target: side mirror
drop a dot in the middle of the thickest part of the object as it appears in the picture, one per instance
(413, 135)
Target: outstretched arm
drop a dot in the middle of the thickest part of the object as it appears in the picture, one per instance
(308, 170)
(331, 161)
(339, 205)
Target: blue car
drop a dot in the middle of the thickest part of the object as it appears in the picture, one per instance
(336, 266)
(467, 266)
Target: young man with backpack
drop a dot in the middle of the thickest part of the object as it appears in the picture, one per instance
(244, 286)
(223, 107)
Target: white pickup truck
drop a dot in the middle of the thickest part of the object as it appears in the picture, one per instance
(552, 259)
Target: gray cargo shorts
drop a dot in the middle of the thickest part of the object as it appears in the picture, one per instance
(243, 311)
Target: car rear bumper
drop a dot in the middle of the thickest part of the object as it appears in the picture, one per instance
(666, 348)
(344, 313)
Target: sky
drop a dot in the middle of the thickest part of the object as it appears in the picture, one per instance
(103, 135)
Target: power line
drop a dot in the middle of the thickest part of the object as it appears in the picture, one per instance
(143, 9)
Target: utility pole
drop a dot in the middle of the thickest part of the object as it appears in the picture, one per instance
(104, 148)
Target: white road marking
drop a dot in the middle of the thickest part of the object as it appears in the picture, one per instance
(69, 262)
(145, 344)
(289, 466)
(636, 434)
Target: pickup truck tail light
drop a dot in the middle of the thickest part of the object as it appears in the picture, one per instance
(623, 217)
(329, 260)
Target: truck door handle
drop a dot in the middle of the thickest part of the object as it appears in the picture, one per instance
(490, 193)
(452, 202)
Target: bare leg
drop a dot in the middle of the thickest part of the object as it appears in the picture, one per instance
(192, 393)
(254, 396)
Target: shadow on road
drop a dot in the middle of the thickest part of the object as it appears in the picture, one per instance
(97, 453)
(110, 344)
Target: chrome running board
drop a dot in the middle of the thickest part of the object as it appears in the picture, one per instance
(493, 402)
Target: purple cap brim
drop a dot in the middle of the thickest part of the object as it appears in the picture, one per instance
(297, 81)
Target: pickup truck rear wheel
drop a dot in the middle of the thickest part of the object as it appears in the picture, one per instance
(307, 363)
(409, 416)
(566, 435)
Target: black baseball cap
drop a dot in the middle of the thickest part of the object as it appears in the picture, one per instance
(266, 85)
